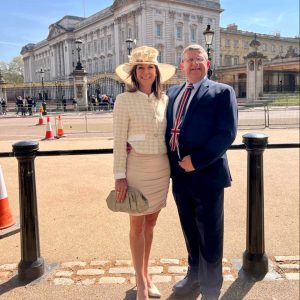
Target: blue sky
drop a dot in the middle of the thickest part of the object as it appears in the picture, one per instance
(23, 22)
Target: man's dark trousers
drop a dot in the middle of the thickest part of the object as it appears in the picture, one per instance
(201, 215)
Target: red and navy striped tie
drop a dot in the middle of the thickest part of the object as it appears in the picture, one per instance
(181, 109)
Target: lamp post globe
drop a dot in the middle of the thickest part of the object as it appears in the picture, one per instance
(78, 42)
(129, 43)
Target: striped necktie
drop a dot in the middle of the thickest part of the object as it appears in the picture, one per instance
(181, 109)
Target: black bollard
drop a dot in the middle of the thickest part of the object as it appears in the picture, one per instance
(255, 260)
(31, 265)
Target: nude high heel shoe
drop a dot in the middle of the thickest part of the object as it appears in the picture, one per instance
(153, 292)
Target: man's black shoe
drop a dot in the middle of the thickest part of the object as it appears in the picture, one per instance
(187, 285)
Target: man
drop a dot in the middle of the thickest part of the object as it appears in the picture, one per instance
(201, 125)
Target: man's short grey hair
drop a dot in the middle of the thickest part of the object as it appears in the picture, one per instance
(192, 48)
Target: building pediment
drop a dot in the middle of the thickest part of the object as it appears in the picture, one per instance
(55, 30)
(121, 3)
(27, 48)
(66, 24)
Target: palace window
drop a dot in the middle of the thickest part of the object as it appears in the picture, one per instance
(158, 30)
(109, 65)
(193, 34)
(179, 32)
(109, 42)
(235, 60)
(178, 57)
(159, 57)
(227, 60)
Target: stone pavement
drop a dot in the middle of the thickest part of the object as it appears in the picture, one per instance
(86, 248)
(162, 270)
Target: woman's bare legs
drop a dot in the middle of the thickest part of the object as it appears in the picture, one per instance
(150, 222)
(141, 236)
(137, 245)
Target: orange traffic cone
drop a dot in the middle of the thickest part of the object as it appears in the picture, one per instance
(60, 129)
(49, 132)
(41, 120)
(6, 219)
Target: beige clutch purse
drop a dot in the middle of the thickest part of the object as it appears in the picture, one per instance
(134, 202)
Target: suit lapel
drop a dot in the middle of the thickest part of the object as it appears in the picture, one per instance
(195, 100)
(172, 98)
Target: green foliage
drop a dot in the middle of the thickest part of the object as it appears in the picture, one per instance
(288, 100)
(12, 72)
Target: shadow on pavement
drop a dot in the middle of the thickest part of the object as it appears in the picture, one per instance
(193, 296)
(11, 284)
(239, 288)
(130, 294)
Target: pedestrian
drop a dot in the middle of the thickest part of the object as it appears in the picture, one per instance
(24, 106)
(75, 104)
(94, 103)
(30, 105)
(201, 125)
(4, 106)
(64, 102)
(19, 104)
(139, 118)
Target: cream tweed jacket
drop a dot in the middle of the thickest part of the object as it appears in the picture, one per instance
(140, 120)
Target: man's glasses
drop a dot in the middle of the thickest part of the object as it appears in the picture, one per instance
(198, 59)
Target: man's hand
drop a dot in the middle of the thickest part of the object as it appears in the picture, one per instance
(121, 187)
(186, 164)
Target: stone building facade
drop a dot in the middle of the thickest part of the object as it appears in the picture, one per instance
(235, 45)
(167, 25)
(280, 66)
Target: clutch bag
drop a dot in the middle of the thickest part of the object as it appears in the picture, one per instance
(134, 202)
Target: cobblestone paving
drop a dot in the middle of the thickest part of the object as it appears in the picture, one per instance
(162, 270)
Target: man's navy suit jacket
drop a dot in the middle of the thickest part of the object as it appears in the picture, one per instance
(208, 129)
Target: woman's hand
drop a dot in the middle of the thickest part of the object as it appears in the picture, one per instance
(121, 187)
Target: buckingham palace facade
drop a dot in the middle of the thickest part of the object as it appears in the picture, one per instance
(169, 26)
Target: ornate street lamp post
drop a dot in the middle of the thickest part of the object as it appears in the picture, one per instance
(42, 72)
(208, 35)
(129, 43)
(79, 65)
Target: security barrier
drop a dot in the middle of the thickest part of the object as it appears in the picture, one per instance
(31, 266)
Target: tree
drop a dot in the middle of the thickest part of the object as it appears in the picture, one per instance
(13, 72)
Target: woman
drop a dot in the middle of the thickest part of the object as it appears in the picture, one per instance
(139, 119)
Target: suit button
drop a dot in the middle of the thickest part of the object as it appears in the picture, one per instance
(155, 134)
(154, 117)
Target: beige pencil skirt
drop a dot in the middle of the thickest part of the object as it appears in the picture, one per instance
(149, 173)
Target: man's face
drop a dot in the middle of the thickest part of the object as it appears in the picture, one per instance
(194, 65)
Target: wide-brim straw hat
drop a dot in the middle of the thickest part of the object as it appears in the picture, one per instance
(144, 55)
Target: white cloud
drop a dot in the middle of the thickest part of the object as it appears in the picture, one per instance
(11, 44)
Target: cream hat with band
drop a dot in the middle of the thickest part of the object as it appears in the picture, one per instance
(144, 55)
